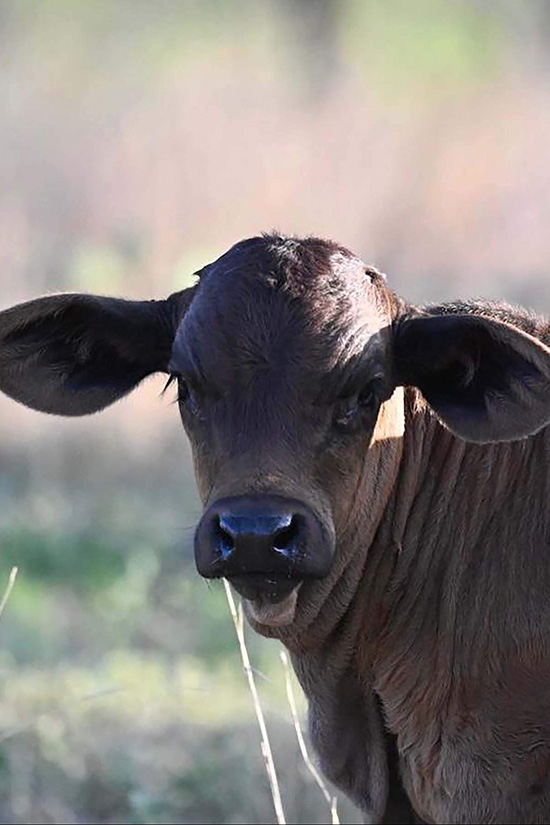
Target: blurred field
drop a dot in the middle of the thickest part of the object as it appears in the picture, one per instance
(139, 140)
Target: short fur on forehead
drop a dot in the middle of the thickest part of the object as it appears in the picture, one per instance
(273, 281)
(279, 302)
(295, 265)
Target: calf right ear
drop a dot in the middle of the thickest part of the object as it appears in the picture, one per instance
(76, 354)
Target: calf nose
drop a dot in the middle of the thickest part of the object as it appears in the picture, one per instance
(239, 535)
(261, 534)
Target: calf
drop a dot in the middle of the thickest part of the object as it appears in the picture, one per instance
(376, 480)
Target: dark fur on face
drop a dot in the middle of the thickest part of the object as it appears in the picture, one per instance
(270, 292)
(276, 337)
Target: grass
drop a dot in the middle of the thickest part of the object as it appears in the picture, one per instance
(127, 703)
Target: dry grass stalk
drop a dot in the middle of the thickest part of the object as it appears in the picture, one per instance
(9, 588)
(331, 800)
(237, 616)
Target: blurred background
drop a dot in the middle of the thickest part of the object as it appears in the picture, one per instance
(138, 140)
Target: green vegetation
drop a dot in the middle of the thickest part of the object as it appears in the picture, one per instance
(123, 697)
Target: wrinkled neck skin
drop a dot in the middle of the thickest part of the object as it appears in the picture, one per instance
(419, 643)
(457, 629)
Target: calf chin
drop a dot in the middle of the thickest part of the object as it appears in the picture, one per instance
(272, 614)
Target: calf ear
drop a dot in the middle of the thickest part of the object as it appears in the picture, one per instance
(76, 354)
(486, 380)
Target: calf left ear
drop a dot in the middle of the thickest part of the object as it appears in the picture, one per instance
(486, 380)
(76, 354)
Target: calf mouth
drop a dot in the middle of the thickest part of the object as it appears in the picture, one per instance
(266, 587)
(268, 599)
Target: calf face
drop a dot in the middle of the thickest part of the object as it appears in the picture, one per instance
(284, 354)
(281, 363)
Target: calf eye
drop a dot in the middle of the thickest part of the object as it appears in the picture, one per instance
(351, 412)
(186, 397)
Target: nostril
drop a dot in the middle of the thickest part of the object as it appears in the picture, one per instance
(225, 540)
(285, 537)
(238, 536)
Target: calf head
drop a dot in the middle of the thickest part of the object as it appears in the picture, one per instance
(287, 355)
(281, 364)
